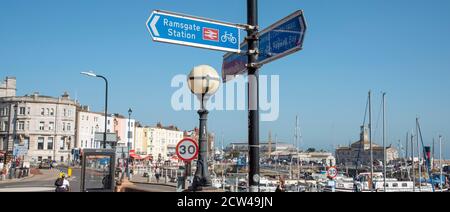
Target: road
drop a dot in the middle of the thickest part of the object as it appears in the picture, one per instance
(43, 182)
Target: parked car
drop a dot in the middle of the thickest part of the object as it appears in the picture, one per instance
(45, 164)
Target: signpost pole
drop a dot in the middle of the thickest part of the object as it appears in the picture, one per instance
(253, 94)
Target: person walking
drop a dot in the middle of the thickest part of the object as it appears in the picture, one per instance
(157, 174)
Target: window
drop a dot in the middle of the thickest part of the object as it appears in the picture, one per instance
(82, 118)
(4, 125)
(87, 118)
(39, 158)
(2, 111)
(70, 113)
(62, 159)
(28, 125)
(41, 125)
(62, 144)
(22, 111)
(64, 112)
(64, 126)
(395, 185)
(28, 110)
(51, 125)
(405, 185)
(40, 143)
(21, 125)
(50, 143)
(48, 112)
(52, 112)
(42, 111)
(69, 127)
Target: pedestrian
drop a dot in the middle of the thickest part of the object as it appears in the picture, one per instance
(281, 186)
(106, 181)
(157, 174)
(62, 184)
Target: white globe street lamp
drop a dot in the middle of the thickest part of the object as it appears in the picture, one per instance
(203, 81)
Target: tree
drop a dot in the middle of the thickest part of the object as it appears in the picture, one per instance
(233, 154)
(309, 150)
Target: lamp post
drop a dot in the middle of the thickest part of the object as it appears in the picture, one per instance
(13, 167)
(129, 143)
(106, 102)
(203, 81)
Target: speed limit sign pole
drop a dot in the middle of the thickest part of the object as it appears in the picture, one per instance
(187, 151)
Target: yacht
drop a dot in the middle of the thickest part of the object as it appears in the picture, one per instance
(361, 184)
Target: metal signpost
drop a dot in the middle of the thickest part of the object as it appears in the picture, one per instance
(186, 150)
(280, 39)
(193, 31)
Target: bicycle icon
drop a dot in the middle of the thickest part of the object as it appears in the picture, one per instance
(228, 37)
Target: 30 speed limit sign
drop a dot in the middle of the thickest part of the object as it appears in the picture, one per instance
(332, 172)
(187, 149)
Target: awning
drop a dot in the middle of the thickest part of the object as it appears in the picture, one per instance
(141, 157)
(134, 156)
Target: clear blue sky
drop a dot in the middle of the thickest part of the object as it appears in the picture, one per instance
(398, 46)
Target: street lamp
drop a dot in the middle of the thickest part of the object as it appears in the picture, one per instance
(203, 81)
(129, 143)
(90, 74)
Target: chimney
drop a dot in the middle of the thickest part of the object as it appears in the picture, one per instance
(8, 87)
(65, 95)
(35, 95)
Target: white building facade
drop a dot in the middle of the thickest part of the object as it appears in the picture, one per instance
(89, 123)
(163, 141)
(42, 126)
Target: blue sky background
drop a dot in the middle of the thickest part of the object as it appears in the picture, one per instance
(398, 46)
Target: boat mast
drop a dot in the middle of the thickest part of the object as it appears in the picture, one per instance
(406, 156)
(370, 142)
(384, 142)
(418, 155)
(297, 146)
(440, 162)
(413, 164)
(426, 156)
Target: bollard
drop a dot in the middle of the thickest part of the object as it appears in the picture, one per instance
(69, 172)
(165, 177)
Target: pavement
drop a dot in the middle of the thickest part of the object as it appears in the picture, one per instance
(43, 182)
(140, 182)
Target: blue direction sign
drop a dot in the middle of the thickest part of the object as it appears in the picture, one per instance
(187, 30)
(282, 38)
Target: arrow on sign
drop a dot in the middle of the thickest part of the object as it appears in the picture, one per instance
(153, 25)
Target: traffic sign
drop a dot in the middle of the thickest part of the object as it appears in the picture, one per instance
(332, 172)
(187, 149)
(280, 39)
(193, 31)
